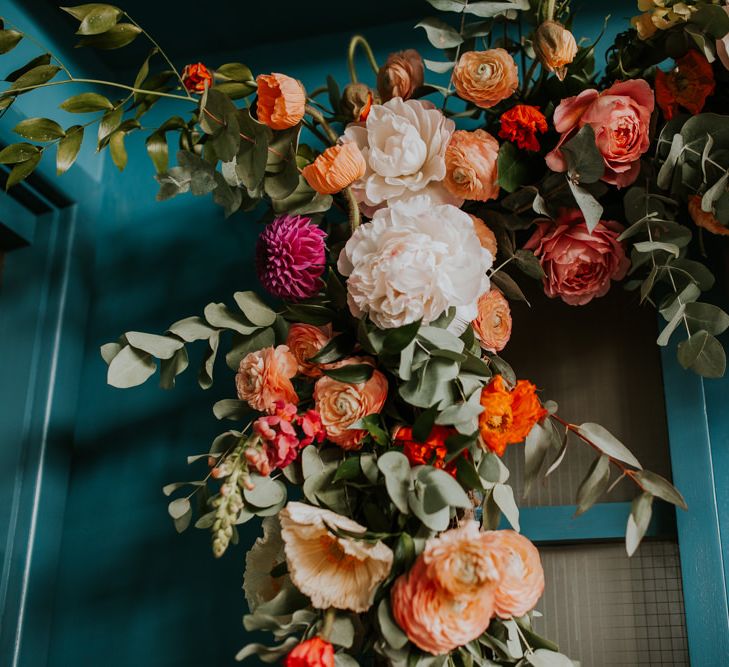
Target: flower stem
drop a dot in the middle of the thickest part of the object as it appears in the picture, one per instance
(318, 117)
(162, 53)
(96, 82)
(360, 41)
(549, 12)
(329, 616)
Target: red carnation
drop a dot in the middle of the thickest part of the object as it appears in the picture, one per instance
(195, 77)
(520, 125)
(687, 85)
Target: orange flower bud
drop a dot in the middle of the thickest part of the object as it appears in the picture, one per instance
(555, 47)
(357, 100)
(335, 169)
(705, 219)
(281, 101)
(401, 75)
(485, 77)
(195, 77)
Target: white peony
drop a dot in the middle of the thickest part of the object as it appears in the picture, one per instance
(415, 260)
(404, 144)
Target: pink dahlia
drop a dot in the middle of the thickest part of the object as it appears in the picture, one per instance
(291, 257)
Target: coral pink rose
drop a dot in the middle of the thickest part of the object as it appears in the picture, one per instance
(446, 599)
(304, 341)
(341, 404)
(264, 377)
(471, 165)
(620, 117)
(521, 577)
(579, 265)
(493, 323)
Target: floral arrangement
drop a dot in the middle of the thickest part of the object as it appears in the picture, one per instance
(373, 393)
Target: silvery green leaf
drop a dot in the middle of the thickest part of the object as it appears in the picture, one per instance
(396, 469)
(607, 443)
(439, 67)
(440, 34)
(594, 485)
(266, 492)
(708, 317)
(590, 207)
(660, 487)
(638, 521)
(503, 495)
(703, 354)
(545, 658)
(161, 347)
(536, 447)
(129, 368)
(668, 330)
(109, 351)
(391, 631)
(666, 172)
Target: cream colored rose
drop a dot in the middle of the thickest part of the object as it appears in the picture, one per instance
(333, 571)
(403, 143)
(413, 261)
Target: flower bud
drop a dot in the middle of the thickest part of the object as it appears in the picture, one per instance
(196, 77)
(281, 101)
(357, 100)
(555, 47)
(335, 169)
(401, 75)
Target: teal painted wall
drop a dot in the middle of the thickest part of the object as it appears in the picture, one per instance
(126, 589)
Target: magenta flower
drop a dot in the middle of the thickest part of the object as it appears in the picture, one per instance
(291, 257)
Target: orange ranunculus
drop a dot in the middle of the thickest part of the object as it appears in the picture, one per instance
(521, 124)
(341, 404)
(485, 77)
(470, 160)
(196, 77)
(446, 599)
(521, 581)
(705, 219)
(555, 47)
(401, 75)
(493, 322)
(335, 169)
(264, 377)
(508, 416)
(304, 341)
(281, 101)
(314, 652)
(687, 85)
(432, 451)
(485, 236)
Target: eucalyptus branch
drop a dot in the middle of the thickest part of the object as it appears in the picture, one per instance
(458, 54)
(625, 470)
(360, 41)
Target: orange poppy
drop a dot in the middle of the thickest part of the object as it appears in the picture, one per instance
(508, 416)
(687, 85)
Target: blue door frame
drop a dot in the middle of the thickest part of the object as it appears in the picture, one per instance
(64, 242)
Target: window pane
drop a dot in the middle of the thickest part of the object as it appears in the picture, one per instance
(605, 609)
(600, 362)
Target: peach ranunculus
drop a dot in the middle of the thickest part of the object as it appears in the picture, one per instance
(471, 171)
(281, 101)
(493, 324)
(705, 219)
(447, 598)
(579, 265)
(485, 235)
(486, 77)
(620, 117)
(264, 377)
(401, 75)
(521, 577)
(313, 652)
(304, 341)
(335, 169)
(555, 47)
(333, 571)
(341, 404)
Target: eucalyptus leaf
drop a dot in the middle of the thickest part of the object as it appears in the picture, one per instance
(129, 368)
(162, 347)
(640, 517)
(86, 103)
(703, 354)
(607, 443)
(440, 34)
(503, 496)
(396, 469)
(255, 310)
(660, 487)
(594, 484)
